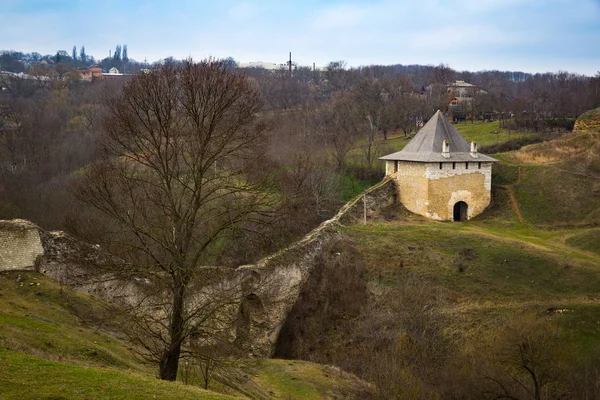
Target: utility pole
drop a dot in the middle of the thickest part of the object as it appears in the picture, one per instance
(365, 207)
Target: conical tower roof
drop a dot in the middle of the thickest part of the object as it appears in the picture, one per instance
(427, 144)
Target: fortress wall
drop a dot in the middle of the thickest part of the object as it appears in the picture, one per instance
(266, 291)
(413, 186)
(434, 172)
(445, 193)
(448, 185)
(20, 245)
(427, 190)
(286, 271)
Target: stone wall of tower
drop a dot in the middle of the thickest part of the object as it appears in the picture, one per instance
(413, 186)
(456, 182)
(432, 190)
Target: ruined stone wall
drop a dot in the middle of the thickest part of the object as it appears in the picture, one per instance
(20, 245)
(278, 279)
(265, 292)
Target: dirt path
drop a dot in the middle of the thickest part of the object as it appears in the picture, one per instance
(511, 195)
(557, 247)
(514, 204)
(554, 246)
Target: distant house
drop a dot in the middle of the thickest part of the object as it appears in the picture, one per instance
(464, 89)
(90, 74)
(114, 73)
(461, 103)
(265, 65)
(439, 175)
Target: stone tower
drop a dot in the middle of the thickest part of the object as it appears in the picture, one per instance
(441, 176)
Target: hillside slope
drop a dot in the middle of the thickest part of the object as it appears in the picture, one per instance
(554, 183)
(468, 310)
(60, 344)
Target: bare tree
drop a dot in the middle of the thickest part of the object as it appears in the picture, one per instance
(336, 75)
(370, 99)
(281, 91)
(527, 361)
(178, 146)
(340, 125)
(412, 111)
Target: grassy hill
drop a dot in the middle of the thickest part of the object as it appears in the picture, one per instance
(442, 303)
(555, 183)
(466, 310)
(59, 344)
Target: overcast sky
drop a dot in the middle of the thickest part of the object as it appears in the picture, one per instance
(524, 35)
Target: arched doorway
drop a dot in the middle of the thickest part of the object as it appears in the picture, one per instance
(250, 321)
(460, 211)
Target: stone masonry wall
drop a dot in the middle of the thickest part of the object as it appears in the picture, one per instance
(449, 186)
(427, 190)
(266, 291)
(413, 186)
(20, 245)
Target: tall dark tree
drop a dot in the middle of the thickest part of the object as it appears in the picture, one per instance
(125, 56)
(230, 62)
(74, 54)
(82, 55)
(177, 181)
(117, 55)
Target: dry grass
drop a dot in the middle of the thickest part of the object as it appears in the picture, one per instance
(560, 150)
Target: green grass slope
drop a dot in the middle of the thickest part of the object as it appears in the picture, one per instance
(436, 299)
(446, 304)
(59, 344)
(23, 376)
(536, 248)
(555, 183)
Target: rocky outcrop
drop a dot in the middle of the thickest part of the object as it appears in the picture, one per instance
(264, 292)
(20, 245)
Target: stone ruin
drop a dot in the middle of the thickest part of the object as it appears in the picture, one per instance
(265, 292)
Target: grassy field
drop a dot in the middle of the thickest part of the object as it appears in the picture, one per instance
(588, 240)
(59, 344)
(491, 272)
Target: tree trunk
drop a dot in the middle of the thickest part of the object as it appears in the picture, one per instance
(169, 364)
